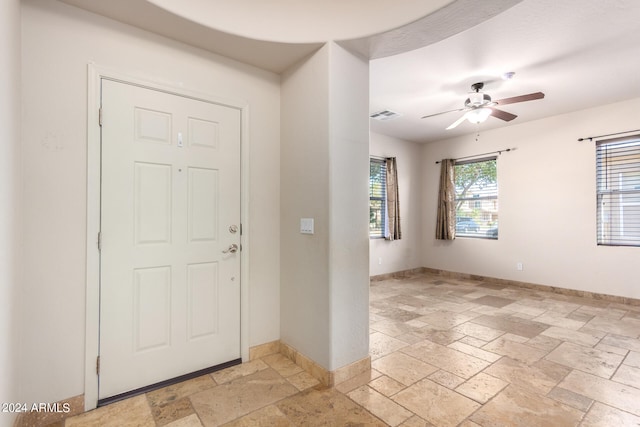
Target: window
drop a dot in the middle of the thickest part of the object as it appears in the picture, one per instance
(618, 191)
(377, 197)
(476, 183)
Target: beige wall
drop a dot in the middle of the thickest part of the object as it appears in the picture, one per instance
(10, 183)
(304, 187)
(349, 206)
(406, 253)
(58, 43)
(324, 158)
(547, 205)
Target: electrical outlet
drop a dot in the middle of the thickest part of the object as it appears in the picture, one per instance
(380, 261)
(519, 266)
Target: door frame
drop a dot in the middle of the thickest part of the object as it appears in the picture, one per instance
(92, 308)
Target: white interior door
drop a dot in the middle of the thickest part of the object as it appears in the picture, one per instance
(170, 211)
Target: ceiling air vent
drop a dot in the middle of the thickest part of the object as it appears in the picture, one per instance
(385, 115)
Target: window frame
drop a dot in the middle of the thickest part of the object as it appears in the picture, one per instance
(382, 198)
(477, 199)
(611, 169)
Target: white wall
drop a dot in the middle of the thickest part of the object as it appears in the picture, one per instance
(547, 205)
(304, 187)
(406, 253)
(58, 42)
(10, 184)
(324, 159)
(349, 206)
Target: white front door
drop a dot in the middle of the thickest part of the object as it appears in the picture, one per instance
(170, 212)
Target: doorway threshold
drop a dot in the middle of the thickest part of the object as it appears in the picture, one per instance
(165, 383)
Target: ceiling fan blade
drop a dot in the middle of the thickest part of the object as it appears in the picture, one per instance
(502, 115)
(521, 98)
(457, 122)
(444, 112)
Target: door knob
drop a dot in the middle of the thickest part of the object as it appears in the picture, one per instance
(231, 249)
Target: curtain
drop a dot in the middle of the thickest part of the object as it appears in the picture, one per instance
(393, 201)
(445, 222)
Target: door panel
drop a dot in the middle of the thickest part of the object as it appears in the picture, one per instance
(169, 296)
(203, 218)
(152, 203)
(152, 308)
(202, 285)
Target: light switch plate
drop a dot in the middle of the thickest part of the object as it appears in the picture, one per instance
(306, 225)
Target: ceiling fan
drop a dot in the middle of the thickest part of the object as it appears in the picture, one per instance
(479, 106)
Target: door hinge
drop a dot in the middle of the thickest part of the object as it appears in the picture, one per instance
(99, 241)
(100, 116)
(241, 229)
(98, 365)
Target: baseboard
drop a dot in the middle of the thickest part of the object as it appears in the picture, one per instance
(324, 376)
(352, 370)
(534, 286)
(397, 274)
(261, 350)
(307, 364)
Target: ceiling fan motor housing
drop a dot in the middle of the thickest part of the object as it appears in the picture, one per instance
(477, 99)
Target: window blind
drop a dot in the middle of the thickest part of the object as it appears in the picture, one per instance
(618, 191)
(476, 198)
(377, 197)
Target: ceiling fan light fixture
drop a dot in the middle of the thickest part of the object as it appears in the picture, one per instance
(479, 106)
(478, 115)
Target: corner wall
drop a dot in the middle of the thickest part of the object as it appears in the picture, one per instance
(324, 159)
(304, 186)
(58, 41)
(10, 185)
(547, 205)
(349, 206)
(406, 253)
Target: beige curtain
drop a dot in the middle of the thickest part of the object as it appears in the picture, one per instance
(445, 222)
(393, 201)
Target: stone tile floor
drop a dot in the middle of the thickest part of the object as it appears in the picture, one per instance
(445, 352)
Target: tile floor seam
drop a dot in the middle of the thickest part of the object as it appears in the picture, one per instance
(396, 402)
(478, 409)
(616, 371)
(552, 398)
(584, 415)
(368, 386)
(197, 416)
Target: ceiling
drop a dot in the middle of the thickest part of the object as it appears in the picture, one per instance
(276, 34)
(579, 53)
(295, 21)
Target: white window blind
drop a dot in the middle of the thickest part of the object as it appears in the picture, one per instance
(377, 197)
(618, 191)
(476, 198)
